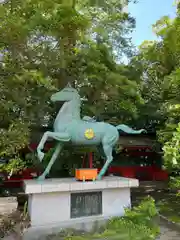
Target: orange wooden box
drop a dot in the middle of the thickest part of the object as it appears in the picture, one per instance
(84, 174)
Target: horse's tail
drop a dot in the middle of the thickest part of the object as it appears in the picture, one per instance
(129, 130)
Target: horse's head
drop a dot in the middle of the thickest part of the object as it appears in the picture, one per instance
(66, 94)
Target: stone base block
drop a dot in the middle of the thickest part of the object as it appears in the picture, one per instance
(56, 204)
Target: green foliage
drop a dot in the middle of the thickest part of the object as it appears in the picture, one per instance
(175, 183)
(43, 42)
(171, 150)
(158, 65)
(169, 206)
(15, 165)
(143, 214)
(137, 224)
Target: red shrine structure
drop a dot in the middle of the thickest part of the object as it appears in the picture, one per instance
(140, 157)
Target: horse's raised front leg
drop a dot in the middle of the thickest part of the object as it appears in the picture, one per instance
(63, 137)
(108, 152)
(51, 162)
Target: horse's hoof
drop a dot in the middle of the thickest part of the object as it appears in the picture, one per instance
(41, 178)
(99, 177)
(40, 156)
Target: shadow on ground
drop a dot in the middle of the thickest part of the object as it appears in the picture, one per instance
(167, 202)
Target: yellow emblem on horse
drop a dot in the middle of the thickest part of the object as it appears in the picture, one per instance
(89, 134)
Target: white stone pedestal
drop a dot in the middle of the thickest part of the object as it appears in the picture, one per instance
(51, 207)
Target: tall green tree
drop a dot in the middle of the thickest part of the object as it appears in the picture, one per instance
(43, 42)
(158, 63)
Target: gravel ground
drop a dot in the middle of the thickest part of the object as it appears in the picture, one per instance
(169, 231)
